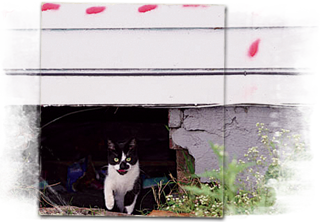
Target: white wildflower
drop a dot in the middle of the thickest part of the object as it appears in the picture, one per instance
(296, 137)
(275, 161)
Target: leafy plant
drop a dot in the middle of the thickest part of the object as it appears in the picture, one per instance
(239, 186)
(287, 150)
(189, 163)
(224, 176)
(299, 163)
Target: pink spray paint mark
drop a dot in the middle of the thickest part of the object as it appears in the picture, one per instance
(250, 91)
(50, 6)
(6, 11)
(95, 10)
(254, 48)
(194, 6)
(191, 5)
(147, 8)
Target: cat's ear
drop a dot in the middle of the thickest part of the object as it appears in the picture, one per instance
(132, 144)
(111, 145)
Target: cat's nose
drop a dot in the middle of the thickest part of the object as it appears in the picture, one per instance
(124, 166)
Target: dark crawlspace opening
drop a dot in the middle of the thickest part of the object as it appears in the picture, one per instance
(73, 152)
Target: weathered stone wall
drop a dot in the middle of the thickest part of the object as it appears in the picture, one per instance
(234, 127)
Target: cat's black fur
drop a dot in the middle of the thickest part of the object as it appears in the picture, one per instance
(122, 184)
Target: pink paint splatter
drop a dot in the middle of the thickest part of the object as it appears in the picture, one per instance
(6, 11)
(95, 10)
(254, 48)
(191, 5)
(194, 6)
(147, 8)
(50, 6)
(250, 91)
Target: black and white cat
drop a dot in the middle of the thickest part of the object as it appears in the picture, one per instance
(122, 183)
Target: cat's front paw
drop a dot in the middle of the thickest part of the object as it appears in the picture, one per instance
(110, 202)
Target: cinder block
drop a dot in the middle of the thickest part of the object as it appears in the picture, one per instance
(175, 118)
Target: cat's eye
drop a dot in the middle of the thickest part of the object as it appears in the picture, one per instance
(128, 159)
(116, 159)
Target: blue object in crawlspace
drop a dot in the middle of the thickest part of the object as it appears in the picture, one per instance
(150, 182)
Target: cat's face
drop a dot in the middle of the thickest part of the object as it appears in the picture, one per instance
(122, 158)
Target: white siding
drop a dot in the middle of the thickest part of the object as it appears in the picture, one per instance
(128, 16)
(269, 89)
(133, 90)
(279, 47)
(250, 13)
(132, 49)
(270, 77)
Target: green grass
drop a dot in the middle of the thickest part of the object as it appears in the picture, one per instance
(238, 186)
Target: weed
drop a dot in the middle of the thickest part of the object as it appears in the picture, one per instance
(238, 186)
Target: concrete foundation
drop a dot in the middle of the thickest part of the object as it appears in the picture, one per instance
(233, 127)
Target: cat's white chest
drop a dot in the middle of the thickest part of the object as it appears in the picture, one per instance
(116, 186)
(122, 183)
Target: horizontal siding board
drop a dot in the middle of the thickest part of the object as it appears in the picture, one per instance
(177, 48)
(268, 89)
(279, 47)
(128, 16)
(272, 76)
(134, 90)
(244, 15)
(205, 90)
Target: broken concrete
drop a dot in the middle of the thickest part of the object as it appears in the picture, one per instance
(233, 127)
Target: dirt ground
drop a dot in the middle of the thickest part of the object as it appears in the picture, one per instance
(82, 201)
(91, 198)
(81, 211)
